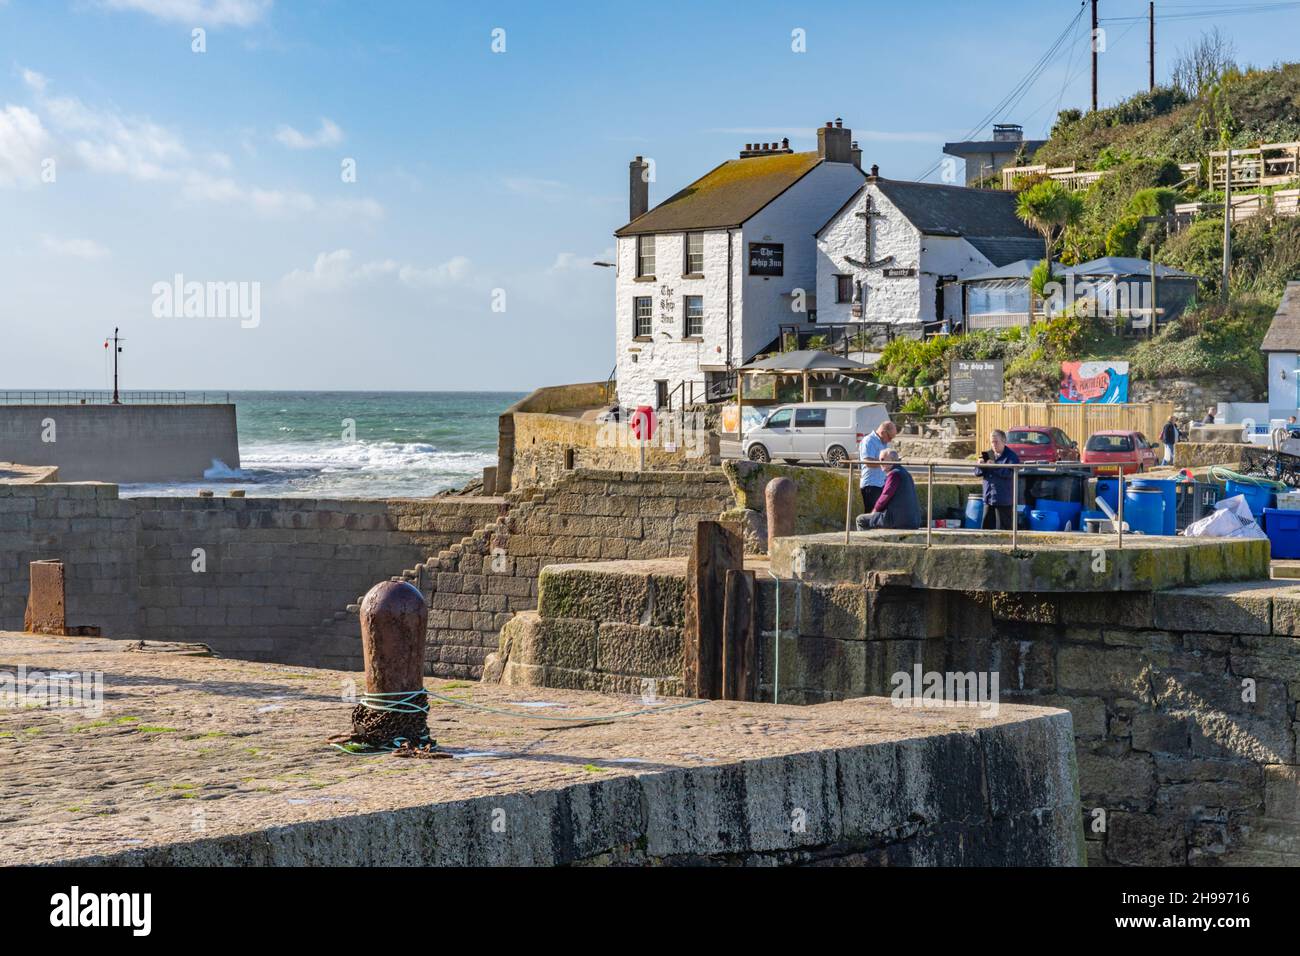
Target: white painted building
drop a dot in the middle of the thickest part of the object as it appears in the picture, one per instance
(892, 257)
(1282, 346)
(707, 277)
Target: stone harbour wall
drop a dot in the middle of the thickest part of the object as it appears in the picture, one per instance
(257, 578)
(475, 586)
(1184, 702)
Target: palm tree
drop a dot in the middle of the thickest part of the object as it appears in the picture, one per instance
(1048, 206)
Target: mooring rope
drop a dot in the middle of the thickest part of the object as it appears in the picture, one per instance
(417, 702)
(1221, 473)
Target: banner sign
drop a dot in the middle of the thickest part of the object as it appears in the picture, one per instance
(1101, 383)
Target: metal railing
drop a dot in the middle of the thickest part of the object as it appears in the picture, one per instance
(74, 397)
(965, 467)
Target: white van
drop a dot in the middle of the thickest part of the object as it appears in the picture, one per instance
(814, 431)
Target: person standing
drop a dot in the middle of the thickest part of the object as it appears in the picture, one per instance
(999, 483)
(897, 507)
(873, 477)
(1169, 438)
(1209, 417)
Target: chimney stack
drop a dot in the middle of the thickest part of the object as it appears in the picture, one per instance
(638, 188)
(856, 152)
(834, 142)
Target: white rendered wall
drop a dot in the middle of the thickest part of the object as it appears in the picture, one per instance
(906, 300)
(759, 305)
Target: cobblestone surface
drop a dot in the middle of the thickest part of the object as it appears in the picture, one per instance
(188, 748)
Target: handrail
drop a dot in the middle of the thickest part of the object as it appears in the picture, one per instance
(965, 465)
(96, 397)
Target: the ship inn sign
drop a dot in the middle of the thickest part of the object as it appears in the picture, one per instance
(767, 258)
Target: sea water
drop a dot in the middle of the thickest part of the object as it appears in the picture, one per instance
(353, 444)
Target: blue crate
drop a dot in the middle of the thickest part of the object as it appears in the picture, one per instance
(1282, 525)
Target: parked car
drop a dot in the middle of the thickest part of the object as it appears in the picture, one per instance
(1042, 444)
(814, 431)
(1127, 450)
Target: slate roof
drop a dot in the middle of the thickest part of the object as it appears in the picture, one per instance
(1284, 333)
(726, 196)
(999, 250)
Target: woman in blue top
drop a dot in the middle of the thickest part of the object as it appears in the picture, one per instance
(998, 482)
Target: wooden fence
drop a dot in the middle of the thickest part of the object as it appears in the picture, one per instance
(1077, 420)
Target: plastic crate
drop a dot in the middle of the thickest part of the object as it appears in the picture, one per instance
(1282, 525)
(1196, 499)
(1288, 500)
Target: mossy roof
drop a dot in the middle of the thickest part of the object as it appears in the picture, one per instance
(727, 195)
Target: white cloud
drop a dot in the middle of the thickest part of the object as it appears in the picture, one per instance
(34, 81)
(329, 134)
(104, 140)
(24, 143)
(336, 271)
(78, 248)
(199, 13)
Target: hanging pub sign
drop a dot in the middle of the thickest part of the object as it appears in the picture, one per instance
(767, 258)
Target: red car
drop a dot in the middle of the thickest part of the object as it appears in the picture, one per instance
(1127, 450)
(1042, 444)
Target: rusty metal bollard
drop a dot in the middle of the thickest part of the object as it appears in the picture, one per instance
(782, 497)
(393, 623)
(394, 712)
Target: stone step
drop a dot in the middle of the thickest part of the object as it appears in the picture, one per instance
(651, 593)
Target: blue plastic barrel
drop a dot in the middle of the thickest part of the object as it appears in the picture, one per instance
(1070, 512)
(1258, 497)
(974, 512)
(1041, 520)
(1108, 491)
(1169, 488)
(1144, 510)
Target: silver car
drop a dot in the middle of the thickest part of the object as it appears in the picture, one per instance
(814, 431)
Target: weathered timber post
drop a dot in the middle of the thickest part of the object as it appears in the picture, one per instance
(46, 611)
(717, 550)
(739, 638)
(782, 497)
(395, 707)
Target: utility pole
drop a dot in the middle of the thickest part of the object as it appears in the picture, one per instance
(1094, 55)
(1151, 45)
(1227, 225)
(117, 348)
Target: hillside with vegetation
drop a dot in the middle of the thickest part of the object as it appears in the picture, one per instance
(1142, 144)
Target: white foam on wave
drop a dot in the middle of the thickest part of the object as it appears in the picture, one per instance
(220, 471)
(382, 456)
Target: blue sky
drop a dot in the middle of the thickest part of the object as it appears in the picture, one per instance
(477, 172)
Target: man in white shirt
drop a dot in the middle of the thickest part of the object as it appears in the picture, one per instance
(873, 477)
